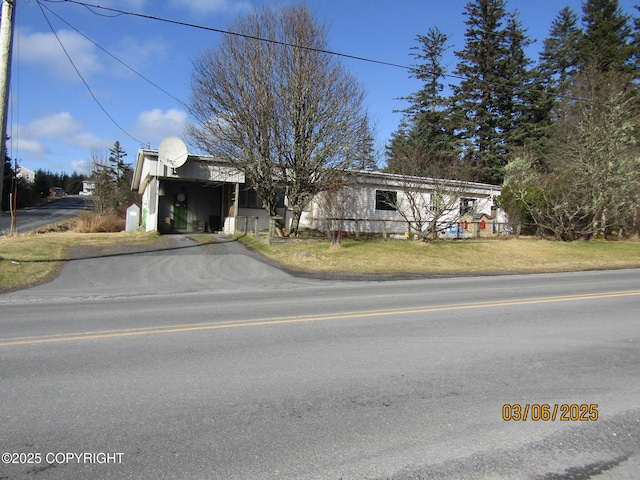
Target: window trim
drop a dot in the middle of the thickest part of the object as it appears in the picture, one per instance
(386, 200)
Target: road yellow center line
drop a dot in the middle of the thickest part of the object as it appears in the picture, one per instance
(191, 327)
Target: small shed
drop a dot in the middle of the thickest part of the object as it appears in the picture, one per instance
(479, 225)
(133, 218)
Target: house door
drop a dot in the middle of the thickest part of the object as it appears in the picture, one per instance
(180, 210)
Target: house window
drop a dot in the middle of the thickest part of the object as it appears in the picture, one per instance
(467, 205)
(248, 197)
(386, 200)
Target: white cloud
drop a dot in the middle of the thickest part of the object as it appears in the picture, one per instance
(82, 166)
(155, 125)
(138, 54)
(43, 50)
(58, 127)
(52, 126)
(204, 7)
(28, 147)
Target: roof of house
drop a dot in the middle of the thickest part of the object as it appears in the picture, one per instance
(363, 176)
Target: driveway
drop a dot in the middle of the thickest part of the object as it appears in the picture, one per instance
(174, 265)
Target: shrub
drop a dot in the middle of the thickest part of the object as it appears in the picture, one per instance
(90, 222)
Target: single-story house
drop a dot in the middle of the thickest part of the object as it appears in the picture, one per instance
(206, 194)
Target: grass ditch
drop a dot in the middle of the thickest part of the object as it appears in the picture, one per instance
(524, 255)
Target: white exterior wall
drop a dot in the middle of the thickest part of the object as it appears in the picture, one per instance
(360, 204)
(357, 204)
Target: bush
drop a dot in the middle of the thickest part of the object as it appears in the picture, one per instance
(90, 222)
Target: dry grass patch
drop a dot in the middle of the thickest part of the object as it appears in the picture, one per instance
(33, 258)
(90, 222)
(455, 257)
(202, 238)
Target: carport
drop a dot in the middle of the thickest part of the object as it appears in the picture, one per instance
(199, 196)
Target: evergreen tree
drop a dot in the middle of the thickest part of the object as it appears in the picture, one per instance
(488, 102)
(42, 183)
(524, 102)
(112, 180)
(606, 39)
(425, 144)
(559, 57)
(635, 43)
(121, 174)
(73, 185)
(363, 152)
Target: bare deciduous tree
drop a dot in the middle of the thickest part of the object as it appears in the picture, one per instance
(336, 205)
(589, 182)
(275, 105)
(426, 208)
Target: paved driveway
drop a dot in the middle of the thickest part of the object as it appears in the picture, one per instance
(176, 264)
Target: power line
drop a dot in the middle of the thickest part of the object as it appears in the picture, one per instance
(119, 12)
(82, 78)
(91, 8)
(116, 58)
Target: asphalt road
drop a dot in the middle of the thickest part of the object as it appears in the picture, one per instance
(53, 212)
(204, 363)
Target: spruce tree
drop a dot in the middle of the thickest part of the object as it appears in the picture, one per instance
(606, 39)
(488, 99)
(523, 103)
(424, 144)
(364, 152)
(559, 57)
(635, 43)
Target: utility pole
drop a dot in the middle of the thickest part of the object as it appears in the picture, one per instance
(6, 42)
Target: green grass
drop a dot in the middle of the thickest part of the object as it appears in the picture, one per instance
(29, 259)
(33, 258)
(450, 256)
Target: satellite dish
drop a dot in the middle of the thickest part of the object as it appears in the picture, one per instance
(172, 152)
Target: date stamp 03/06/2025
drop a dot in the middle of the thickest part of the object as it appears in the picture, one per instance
(565, 412)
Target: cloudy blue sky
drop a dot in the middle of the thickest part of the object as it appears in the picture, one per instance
(56, 124)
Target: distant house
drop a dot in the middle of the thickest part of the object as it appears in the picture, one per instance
(87, 187)
(206, 194)
(25, 174)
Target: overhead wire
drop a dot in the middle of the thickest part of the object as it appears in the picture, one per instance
(151, 82)
(95, 9)
(104, 110)
(92, 8)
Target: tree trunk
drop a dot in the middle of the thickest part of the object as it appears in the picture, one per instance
(295, 222)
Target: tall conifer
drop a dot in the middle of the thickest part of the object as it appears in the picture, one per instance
(424, 144)
(488, 101)
(559, 57)
(606, 40)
